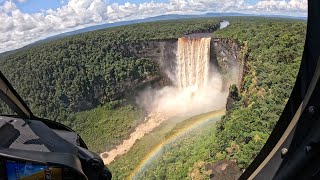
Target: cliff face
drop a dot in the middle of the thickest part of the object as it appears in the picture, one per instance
(161, 51)
(224, 55)
(231, 60)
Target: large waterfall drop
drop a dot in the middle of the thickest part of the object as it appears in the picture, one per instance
(195, 92)
(193, 59)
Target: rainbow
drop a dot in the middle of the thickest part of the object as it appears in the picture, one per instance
(172, 137)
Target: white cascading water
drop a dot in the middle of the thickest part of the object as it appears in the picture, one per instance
(193, 59)
(195, 92)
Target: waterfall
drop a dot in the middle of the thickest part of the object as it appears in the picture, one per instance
(195, 93)
(193, 58)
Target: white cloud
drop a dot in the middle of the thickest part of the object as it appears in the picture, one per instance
(18, 29)
(8, 6)
(288, 7)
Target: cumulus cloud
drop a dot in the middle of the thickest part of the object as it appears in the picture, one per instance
(288, 7)
(8, 6)
(19, 29)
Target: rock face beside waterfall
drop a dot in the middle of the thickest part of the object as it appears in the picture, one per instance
(226, 57)
(226, 53)
(161, 51)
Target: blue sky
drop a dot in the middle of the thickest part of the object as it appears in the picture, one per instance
(34, 6)
(26, 21)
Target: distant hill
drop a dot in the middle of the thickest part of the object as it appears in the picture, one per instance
(156, 18)
(150, 19)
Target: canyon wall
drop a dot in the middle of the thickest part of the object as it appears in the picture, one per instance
(224, 56)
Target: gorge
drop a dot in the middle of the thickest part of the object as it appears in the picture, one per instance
(105, 84)
(197, 85)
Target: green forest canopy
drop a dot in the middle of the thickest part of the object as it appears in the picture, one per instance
(79, 72)
(273, 49)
